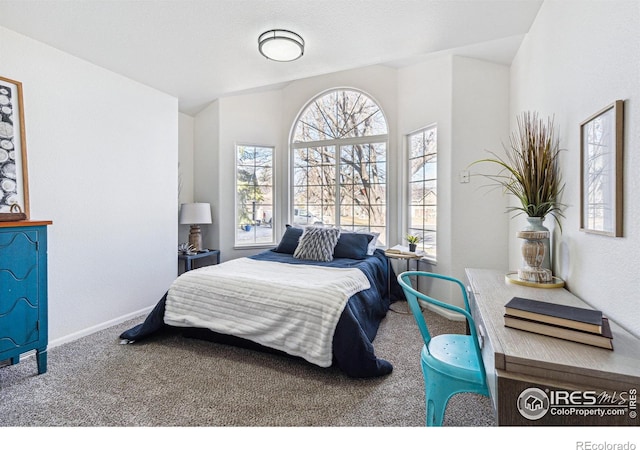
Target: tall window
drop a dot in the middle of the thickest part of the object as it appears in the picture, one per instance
(339, 155)
(254, 195)
(423, 190)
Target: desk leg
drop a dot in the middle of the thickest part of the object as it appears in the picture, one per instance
(187, 265)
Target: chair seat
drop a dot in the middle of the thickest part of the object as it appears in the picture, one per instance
(454, 355)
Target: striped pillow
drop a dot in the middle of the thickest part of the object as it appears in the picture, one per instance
(317, 243)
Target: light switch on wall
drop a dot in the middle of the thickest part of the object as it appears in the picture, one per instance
(463, 176)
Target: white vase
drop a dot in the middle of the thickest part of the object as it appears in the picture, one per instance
(535, 224)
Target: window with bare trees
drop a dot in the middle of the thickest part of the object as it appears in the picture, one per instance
(423, 189)
(339, 158)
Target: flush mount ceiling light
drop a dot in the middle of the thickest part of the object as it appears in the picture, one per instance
(281, 45)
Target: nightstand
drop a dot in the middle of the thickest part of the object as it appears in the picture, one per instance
(408, 258)
(188, 259)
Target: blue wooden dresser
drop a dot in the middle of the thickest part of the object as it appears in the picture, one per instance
(23, 291)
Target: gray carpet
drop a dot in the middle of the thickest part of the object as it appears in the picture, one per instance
(175, 381)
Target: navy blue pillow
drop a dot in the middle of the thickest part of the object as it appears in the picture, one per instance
(289, 241)
(352, 245)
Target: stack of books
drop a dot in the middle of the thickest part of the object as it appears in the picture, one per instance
(587, 326)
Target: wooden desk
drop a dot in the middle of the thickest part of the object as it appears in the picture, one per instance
(579, 381)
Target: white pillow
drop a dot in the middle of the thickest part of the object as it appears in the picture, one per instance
(372, 244)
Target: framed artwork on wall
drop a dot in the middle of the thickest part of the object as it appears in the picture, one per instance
(14, 182)
(601, 168)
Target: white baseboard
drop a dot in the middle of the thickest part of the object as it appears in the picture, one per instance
(87, 331)
(443, 312)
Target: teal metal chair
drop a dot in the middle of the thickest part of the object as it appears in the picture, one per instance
(451, 363)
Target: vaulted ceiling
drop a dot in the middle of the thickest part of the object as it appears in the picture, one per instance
(200, 50)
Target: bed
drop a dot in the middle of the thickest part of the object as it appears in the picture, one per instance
(324, 310)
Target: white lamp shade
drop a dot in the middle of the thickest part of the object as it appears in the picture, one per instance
(195, 213)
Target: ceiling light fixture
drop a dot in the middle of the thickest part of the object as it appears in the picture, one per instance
(281, 45)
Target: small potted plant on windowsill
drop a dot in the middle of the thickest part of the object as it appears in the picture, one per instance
(413, 241)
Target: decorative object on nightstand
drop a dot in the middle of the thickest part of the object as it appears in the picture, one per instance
(15, 214)
(186, 249)
(195, 214)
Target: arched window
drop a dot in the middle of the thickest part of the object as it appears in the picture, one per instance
(339, 159)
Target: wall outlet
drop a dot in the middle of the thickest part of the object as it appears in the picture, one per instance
(463, 176)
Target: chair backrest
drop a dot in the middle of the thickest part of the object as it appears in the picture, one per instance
(412, 299)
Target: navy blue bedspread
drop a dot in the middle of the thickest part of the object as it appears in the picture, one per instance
(353, 350)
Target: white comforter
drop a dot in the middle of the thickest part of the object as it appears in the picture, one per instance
(293, 308)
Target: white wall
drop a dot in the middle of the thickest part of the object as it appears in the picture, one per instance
(205, 171)
(186, 125)
(468, 100)
(480, 123)
(425, 98)
(254, 119)
(577, 58)
(186, 145)
(102, 160)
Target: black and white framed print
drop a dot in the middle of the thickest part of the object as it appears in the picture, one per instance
(14, 189)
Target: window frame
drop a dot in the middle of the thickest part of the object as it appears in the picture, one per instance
(253, 244)
(338, 144)
(429, 256)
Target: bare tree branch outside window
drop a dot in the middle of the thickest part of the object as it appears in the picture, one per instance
(423, 192)
(340, 163)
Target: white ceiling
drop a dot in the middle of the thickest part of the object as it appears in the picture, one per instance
(200, 50)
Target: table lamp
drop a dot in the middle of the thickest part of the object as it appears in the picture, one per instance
(195, 214)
